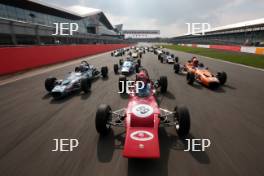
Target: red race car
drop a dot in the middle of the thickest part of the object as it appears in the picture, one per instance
(197, 72)
(142, 118)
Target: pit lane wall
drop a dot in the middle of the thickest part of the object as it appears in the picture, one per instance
(245, 49)
(16, 59)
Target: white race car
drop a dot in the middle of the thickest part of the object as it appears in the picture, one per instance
(135, 55)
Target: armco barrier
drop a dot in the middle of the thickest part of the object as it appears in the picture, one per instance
(14, 59)
(226, 47)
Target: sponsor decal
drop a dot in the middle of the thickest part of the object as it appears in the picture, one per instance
(142, 110)
(142, 135)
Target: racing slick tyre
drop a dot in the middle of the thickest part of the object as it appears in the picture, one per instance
(112, 54)
(222, 77)
(163, 82)
(176, 59)
(137, 68)
(116, 68)
(122, 83)
(184, 121)
(77, 69)
(86, 85)
(176, 68)
(121, 62)
(161, 59)
(103, 114)
(104, 71)
(159, 56)
(139, 62)
(50, 83)
(190, 77)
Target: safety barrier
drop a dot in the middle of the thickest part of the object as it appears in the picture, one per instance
(15, 59)
(245, 49)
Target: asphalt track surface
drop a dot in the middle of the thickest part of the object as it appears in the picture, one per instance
(231, 117)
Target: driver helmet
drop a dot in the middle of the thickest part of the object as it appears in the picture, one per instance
(195, 62)
(193, 58)
(142, 76)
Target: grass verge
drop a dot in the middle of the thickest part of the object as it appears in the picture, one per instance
(253, 60)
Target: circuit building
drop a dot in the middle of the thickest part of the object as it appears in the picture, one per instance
(250, 33)
(32, 22)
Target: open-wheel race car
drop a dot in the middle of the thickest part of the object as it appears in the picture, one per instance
(80, 79)
(196, 71)
(142, 118)
(127, 66)
(119, 52)
(166, 57)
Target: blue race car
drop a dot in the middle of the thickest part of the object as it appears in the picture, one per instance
(127, 66)
(80, 79)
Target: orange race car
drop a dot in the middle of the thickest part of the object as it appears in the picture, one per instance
(197, 72)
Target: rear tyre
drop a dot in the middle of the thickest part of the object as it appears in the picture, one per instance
(112, 54)
(122, 83)
(50, 83)
(121, 62)
(184, 121)
(103, 114)
(176, 59)
(163, 84)
(104, 71)
(116, 68)
(176, 68)
(222, 77)
(86, 85)
(190, 78)
(139, 62)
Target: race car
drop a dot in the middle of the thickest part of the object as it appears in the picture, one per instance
(127, 66)
(198, 72)
(80, 79)
(119, 52)
(135, 54)
(167, 58)
(142, 118)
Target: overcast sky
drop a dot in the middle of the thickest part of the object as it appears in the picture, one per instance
(170, 16)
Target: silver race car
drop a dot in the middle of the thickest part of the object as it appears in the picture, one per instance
(127, 66)
(80, 79)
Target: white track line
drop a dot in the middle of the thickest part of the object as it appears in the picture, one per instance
(219, 60)
(41, 70)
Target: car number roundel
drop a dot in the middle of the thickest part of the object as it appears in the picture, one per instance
(141, 135)
(142, 110)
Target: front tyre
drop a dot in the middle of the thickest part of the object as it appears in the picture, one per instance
(222, 77)
(184, 121)
(103, 114)
(190, 77)
(176, 68)
(116, 68)
(50, 83)
(86, 85)
(104, 72)
(163, 82)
